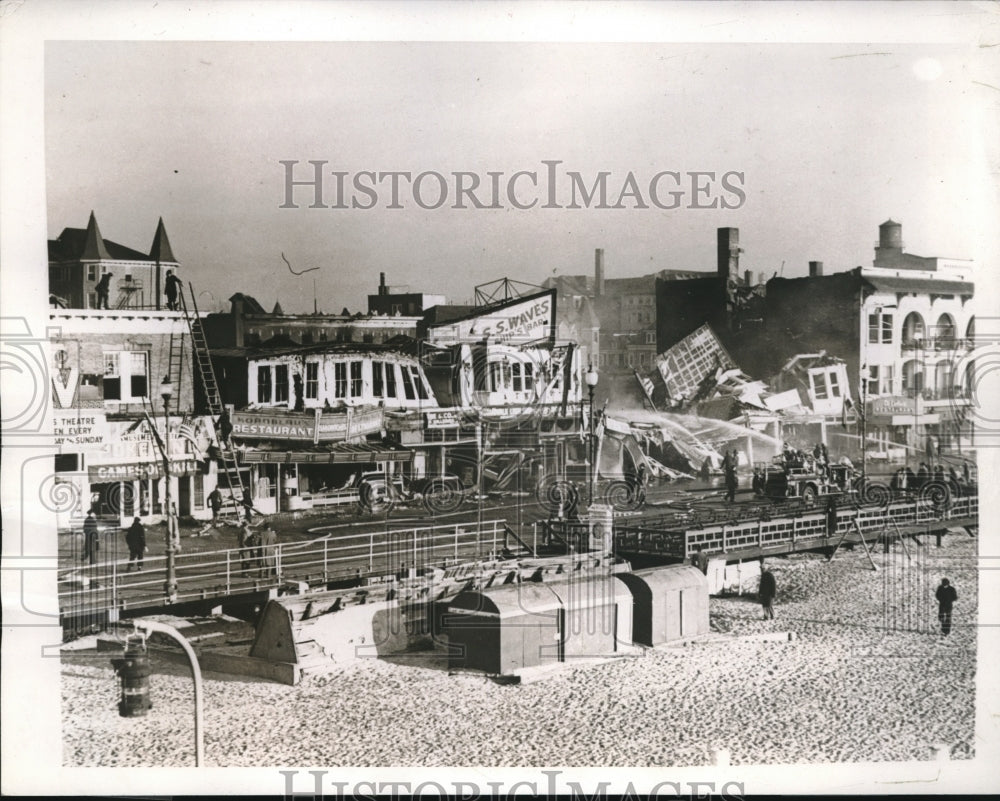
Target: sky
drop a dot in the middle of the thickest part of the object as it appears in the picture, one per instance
(830, 141)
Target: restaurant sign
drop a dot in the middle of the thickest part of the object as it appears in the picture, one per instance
(276, 424)
(890, 405)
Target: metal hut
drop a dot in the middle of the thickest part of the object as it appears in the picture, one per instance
(668, 603)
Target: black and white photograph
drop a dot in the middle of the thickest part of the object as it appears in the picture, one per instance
(494, 398)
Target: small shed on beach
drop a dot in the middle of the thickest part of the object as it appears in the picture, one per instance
(502, 629)
(668, 603)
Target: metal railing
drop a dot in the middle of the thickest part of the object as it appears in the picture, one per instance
(800, 530)
(215, 574)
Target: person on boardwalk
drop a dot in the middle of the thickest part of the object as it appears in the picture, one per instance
(268, 552)
(766, 591)
(215, 501)
(171, 285)
(135, 538)
(91, 543)
(103, 290)
(247, 542)
(946, 596)
(225, 427)
(732, 482)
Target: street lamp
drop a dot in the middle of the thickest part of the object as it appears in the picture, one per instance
(591, 378)
(170, 586)
(864, 375)
(918, 389)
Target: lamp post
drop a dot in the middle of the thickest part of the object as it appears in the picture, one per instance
(591, 378)
(864, 375)
(170, 585)
(918, 390)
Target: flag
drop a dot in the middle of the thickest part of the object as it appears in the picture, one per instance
(843, 415)
(647, 387)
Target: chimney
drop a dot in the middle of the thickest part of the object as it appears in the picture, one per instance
(598, 272)
(381, 284)
(748, 277)
(760, 278)
(728, 240)
(815, 269)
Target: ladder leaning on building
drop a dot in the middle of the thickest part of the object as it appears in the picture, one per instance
(206, 373)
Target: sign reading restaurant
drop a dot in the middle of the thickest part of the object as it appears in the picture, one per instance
(275, 425)
(526, 319)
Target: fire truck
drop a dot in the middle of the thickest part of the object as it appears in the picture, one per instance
(783, 479)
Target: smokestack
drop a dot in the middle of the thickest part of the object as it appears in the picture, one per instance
(728, 240)
(760, 278)
(815, 269)
(599, 272)
(381, 284)
(748, 277)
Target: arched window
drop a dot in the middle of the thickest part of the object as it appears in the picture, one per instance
(913, 328)
(970, 330)
(944, 372)
(913, 376)
(944, 331)
(970, 379)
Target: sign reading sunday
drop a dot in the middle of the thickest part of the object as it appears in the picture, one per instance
(527, 319)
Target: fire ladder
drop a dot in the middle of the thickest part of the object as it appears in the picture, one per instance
(203, 367)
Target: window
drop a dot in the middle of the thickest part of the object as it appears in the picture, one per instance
(879, 328)
(390, 381)
(340, 379)
(529, 377)
(650, 337)
(518, 383)
(913, 328)
(408, 382)
(378, 379)
(199, 491)
(356, 379)
(281, 383)
(126, 376)
(263, 385)
(91, 272)
(418, 382)
(834, 381)
(820, 389)
(312, 380)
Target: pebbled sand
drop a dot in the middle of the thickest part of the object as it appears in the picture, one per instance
(845, 689)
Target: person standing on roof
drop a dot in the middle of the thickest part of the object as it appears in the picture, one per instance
(103, 290)
(171, 286)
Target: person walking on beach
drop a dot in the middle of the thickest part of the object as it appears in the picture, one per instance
(135, 538)
(91, 543)
(946, 596)
(766, 591)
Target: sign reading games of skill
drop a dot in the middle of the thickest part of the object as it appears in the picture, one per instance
(527, 319)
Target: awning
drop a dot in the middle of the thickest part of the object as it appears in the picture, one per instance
(334, 454)
(931, 286)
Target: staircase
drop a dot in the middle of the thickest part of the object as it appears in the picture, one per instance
(206, 374)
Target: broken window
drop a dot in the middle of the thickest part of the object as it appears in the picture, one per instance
(356, 383)
(378, 380)
(126, 376)
(263, 385)
(281, 383)
(340, 379)
(312, 380)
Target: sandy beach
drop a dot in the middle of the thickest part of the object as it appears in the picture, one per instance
(867, 676)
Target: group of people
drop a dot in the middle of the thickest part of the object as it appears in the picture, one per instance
(257, 550)
(959, 483)
(135, 539)
(171, 288)
(816, 462)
